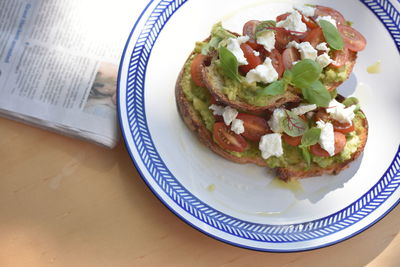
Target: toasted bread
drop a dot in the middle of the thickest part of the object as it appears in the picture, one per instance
(194, 122)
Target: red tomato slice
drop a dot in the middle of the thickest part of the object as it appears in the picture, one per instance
(309, 22)
(340, 143)
(249, 29)
(327, 11)
(254, 127)
(343, 128)
(353, 39)
(289, 56)
(293, 141)
(340, 58)
(277, 62)
(282, 17)
(282, 38)
(252, 59)
(227, 139)
(196, 69)
(314, 37)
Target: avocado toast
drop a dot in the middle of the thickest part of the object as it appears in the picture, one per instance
(284, 114)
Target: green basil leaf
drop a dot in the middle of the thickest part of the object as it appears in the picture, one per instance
(292, 124)
(311, 137)
(288, 76)
(229, 63)
(212, 44)
(305, 72)
(263, 25)
(306, 155)
(332, 35)
(275, 88)
(317, 94)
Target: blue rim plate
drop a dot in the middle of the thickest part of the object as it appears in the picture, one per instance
(211, 194)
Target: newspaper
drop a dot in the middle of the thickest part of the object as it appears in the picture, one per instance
(59, 64)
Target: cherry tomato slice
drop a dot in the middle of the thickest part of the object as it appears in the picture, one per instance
(282, 17)
(254, 126)
(340, 143)
(277, 62)
(309, 22)
(249, 29)
(343, 128)
(293, 141)
(282, 38)
(340, 58)
(314, 37)
(327, 11)
(196, 67)
(252, 59)
(289, 56)
(227, 139)
(353, 39)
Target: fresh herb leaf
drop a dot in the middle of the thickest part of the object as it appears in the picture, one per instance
(292, 124)
(287, 76)
(316, 93)
(306, 155)
(263, 25)
(332, 35)
(305, 72)
(275, 88)
(229, 63)
(311, 137)
(212, 44)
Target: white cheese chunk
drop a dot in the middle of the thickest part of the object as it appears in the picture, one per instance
(293, 23)
(308, 11)
(217, 110)
(271, 145)
(327, 138)
(327, 18)
(265, 73)
(273, 122)
(339, 112)
(307, 51)
(233, 45)
(229, 115)
(323, 47)
(267, 39)
(293, 44)
(256, 53)
(324, 60)
(237, 126)
(303, 109)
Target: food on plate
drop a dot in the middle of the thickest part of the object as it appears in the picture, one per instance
(269, 97)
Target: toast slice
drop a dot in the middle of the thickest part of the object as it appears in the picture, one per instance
(194, 121)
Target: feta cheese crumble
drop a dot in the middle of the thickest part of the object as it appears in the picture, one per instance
(271, 145)
(327, 138)
(308, 11)
(327, 18)
(267, 39)
(233, 45)
(237, 126)
(323, 47)
(229, 115)
(303, 109)
(265, 73)
(305, 49)
(339, 112)
(217, 110)
(273, 122)
(324, 60)
(293, 23)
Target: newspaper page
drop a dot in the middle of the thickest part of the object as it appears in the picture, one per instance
(59, 64)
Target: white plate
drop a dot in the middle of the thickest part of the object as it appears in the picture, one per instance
(242, 204)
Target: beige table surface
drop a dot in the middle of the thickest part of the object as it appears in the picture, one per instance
(64, 202)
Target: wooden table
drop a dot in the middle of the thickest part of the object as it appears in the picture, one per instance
(64, 202)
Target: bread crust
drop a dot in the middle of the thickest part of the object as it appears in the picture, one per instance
(194, 122)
